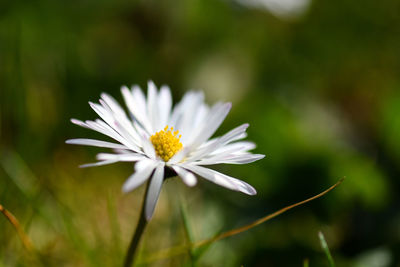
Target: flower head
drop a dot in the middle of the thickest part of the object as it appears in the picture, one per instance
(156, 136)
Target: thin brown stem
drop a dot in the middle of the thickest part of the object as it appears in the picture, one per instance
(264, 219)
(27, 243)
(174, 251)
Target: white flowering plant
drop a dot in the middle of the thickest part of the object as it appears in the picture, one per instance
(156, 136)
(161, 138)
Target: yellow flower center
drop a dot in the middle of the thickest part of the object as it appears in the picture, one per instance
(166, 143)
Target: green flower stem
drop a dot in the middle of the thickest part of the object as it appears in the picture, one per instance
(142, 223)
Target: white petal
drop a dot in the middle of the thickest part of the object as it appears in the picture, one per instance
(140, 98)
(100, 163)
(203, 151)
(234, 134)
(231, 136)
(140, 102)
(185, 114)
(140, 176)
(178, 156)
(148, 148)
(120, 157)
(80, 123)
(140, 130)
(201, 114)
(106, 116)
(222, 179)
(187, 177)
(101, 127)
(164, 104)
(189, 113)
(92, 142)
(245, 158)
(103, 113)
(188, 100)
(104, 128)
(140, 165)
(228, 150)
(234, 148)
(154, 191)
(213, 121)
(215, 144)
(242, 158)
(123, 151)
(117, 121)
(136, 103)
(152, 105)
(112, 106)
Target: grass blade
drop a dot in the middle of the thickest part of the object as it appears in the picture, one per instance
(115, 226)
(325, 247)
(188, 230)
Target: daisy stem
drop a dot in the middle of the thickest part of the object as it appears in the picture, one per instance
(141, 225)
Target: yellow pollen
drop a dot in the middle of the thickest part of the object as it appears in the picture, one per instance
(166, 143)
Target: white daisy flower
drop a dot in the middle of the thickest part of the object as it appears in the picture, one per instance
(156, 136)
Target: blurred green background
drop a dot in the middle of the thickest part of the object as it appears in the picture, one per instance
(318, 81)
